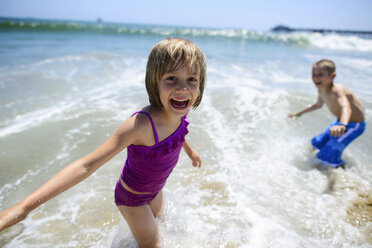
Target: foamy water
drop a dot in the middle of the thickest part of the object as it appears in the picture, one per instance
(63, 94)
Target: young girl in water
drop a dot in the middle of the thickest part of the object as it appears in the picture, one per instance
(154, 136)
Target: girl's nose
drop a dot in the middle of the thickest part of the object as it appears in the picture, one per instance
(182, 86)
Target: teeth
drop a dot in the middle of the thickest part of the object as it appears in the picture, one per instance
(179, 103)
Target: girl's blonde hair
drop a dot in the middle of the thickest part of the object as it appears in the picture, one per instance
(170, 55)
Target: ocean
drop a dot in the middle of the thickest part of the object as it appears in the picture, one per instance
(65, 86)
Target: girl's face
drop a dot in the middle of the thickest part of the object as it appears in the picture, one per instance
(178, 91)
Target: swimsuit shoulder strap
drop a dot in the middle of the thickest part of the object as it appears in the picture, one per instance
(152, 124)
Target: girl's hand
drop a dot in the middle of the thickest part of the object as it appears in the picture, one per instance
(193, 155)
(12, 216)
(195, 158)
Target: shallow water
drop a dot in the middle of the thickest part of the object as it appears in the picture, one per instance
(63, 92)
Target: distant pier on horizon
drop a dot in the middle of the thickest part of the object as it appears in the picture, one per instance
(283, 28)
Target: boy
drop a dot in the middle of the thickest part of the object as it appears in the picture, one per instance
(344, 105)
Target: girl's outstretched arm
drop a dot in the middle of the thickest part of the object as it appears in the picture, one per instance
(193, 155)
(72, 174)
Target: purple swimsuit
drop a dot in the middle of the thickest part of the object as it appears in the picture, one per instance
(148, 167)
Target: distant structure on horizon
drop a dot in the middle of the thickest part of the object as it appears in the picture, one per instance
(282, 28)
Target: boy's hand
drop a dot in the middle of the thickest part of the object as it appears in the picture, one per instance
(337, 130)
(294, 115)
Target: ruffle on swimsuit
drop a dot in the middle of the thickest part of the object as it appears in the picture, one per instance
(162, 149)
(148, 167)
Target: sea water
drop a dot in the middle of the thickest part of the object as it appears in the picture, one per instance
(66, 86)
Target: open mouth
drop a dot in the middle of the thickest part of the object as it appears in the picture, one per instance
(318, 83)
(179, 104)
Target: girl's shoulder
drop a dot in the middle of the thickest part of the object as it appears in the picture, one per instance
(140, 124)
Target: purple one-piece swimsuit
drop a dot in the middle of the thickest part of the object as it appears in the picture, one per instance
(147, 168)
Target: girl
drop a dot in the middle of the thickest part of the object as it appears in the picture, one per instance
(175, 79)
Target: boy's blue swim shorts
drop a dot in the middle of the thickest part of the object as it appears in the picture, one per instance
(331, 148)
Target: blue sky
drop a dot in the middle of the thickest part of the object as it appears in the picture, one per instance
(248, 14)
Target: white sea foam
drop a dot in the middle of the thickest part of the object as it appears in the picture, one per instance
(105, 97)
(359, 63)
(339, 42)
(91, 56)
(258, 185)
(27, 120)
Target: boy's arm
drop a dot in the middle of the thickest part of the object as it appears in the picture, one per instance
(339, 130)
(317, 105)
(69, 176)
(345, 107)
(193, 155)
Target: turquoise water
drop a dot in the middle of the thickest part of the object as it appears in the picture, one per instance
(66, 86)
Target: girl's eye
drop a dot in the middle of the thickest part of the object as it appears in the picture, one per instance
(171, 78)
(193, 80)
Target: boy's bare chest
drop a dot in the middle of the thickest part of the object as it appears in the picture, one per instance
(332, 102)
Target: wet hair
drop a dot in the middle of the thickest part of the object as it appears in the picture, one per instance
(170, 55)
(327, 64)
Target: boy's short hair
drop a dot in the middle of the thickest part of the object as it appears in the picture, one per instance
(170, 55)
(327, 64)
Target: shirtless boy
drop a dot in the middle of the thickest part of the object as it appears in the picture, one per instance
(344, 105)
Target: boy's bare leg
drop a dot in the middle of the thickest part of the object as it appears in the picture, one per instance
(331, 176)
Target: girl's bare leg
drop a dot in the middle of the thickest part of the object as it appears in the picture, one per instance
(156, 204)
(141, 221)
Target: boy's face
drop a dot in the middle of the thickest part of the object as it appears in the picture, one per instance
(178, 91)
(321, 77)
